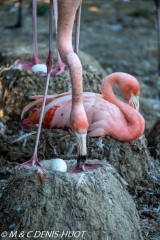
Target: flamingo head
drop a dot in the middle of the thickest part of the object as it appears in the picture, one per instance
(79, 125)
(81, 148)
(134, 101)
(134, 91)
(130, 89)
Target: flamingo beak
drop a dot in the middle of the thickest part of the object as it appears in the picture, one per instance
(134, 101)
(81, 148)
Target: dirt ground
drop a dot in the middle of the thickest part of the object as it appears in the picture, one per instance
(121, 36)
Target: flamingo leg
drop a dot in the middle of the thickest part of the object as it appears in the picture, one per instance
(34, 159)
(61, 65)
(78, 21)
(32, 162)
(27, 65)
(157, 3)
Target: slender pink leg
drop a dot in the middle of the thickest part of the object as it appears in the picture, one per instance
(32, 162)
(78, 21)
(61, 66)
(34, 159)
(35, 60)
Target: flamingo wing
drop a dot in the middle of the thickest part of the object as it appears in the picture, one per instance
(104, 118)
(56, 111)
(38, 99)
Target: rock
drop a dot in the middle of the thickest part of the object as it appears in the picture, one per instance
(94, 203)
(153, 139)
(87, 59)
(3, 184)
(150, 109)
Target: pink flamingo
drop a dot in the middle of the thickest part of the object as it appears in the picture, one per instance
(35, 60)
(66, 13)
(106, 114)
(23, 65)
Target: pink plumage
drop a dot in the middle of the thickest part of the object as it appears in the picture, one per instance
(106, 114)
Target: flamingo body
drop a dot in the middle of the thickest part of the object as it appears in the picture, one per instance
(106, 115)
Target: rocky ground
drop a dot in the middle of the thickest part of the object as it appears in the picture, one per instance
(121, 36)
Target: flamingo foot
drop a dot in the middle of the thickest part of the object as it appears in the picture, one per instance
(57, 71)
(85, 167)
(27, 124)
(32, 162)
(25, 65)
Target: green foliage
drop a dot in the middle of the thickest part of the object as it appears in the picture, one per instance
(141, 12)
(42, 9)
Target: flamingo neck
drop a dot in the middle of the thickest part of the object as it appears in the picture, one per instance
(107, 89)
(128, 85)
(134, 121)
(75, 69)
(65, 26)
(66, 14)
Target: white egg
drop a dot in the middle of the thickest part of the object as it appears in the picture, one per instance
(39, 68)
(59, 164)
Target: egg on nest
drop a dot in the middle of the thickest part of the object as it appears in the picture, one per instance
(39, 68)
(58, 164)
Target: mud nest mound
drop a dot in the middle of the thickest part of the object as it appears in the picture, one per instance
(17, 86)
(95, 202)
(132, 160)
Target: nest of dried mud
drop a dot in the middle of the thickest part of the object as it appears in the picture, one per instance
(131, 160)
(95, 202)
